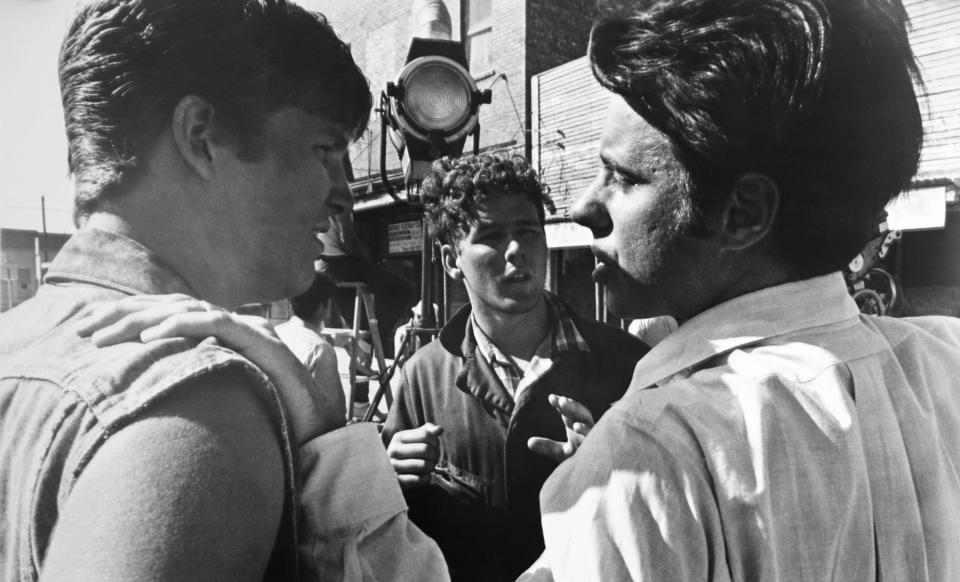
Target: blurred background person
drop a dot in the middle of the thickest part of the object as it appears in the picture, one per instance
(302, 334)
(346, 260)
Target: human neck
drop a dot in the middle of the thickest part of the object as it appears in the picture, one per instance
(172, 239)
(516, 334)
(759, 271)
(311, 323)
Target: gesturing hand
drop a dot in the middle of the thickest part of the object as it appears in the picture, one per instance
(578, 421)
(414, 453)
(312, 410)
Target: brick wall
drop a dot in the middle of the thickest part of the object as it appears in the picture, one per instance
(528, 36)
(503, 121)
(557, 32)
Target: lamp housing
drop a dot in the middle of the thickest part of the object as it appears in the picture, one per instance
(432, 106)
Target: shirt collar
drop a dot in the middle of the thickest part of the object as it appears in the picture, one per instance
(746, 320)
(114, 261)
(486, 346)
(564, 335)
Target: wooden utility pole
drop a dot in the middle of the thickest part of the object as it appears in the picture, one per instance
(43, 213)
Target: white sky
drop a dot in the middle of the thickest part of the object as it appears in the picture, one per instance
(32, 142)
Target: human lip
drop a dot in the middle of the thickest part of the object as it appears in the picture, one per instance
(604, 270)
(517, 277)
(317, 239)
(321, 225)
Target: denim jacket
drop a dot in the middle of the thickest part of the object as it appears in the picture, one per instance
(61, 397)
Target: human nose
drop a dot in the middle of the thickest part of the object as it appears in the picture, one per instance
(340, 199)
(515, 251)
(590, 210)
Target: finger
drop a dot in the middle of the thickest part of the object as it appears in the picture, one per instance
(129, 327)
(192, 324)
(100, 315)
(415, 451)
(572, 411)
(103, 314)
(227, 327)
(411, 481)
(548, 448)
(97, 316)
(581, 428)
(428, 433)
(413, 466)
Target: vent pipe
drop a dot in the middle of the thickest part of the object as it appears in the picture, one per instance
(431, 19)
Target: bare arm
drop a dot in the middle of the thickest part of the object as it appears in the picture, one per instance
(193, 491)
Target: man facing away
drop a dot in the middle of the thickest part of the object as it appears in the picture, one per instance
(488, 381)
(205, 140)
(301, 333)
(778, 434)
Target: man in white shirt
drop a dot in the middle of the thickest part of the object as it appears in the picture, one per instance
(777, 434)
(301, 333)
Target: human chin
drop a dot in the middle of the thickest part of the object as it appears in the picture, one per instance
(300, 270)
(520, 302)
(626, 299)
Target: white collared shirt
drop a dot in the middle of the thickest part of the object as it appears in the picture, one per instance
(769, 438)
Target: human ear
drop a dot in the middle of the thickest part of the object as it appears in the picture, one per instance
(749, 212)
(450, 259)
(193, 134)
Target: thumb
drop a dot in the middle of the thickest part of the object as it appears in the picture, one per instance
(433, 429)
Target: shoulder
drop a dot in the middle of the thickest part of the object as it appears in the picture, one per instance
(141, 373)
(627, 453)
(203, 463)
(430, 359)
(931, 329)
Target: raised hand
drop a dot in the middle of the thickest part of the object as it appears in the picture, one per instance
(312, 409)
(414, 454)
(578, 421)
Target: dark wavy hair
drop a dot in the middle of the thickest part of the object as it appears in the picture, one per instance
(457, 188)
(816, 94)
(125, 64)
(319, 293)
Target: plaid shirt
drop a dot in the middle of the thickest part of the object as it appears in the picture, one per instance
(563, 337)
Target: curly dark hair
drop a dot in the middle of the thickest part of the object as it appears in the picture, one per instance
(816, 94)
(125, 64)
(457, 188)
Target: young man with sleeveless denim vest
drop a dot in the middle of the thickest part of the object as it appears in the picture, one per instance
(205, 141)
(470, 402)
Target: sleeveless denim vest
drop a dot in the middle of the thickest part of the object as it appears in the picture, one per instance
(61, 397)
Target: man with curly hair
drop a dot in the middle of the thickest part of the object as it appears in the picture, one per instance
(506, 374)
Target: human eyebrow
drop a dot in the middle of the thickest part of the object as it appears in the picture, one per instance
(623, 174)
(487, 227)
(334, 135)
